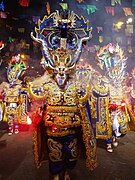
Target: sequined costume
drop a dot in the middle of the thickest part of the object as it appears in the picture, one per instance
(64, 98)
(112, 61)
(13, 96)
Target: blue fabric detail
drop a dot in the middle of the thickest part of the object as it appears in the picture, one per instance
(89, 113)
(109, 140)
(57, 167)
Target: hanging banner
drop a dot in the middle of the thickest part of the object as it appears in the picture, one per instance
(100, 39)
(48, 8)
(109, 10)
(2, 6)
(127, 33)
(90, 8)
(127, 11)
(21, 30)
(99, 28)
(114, 2)
(96, 47)
(130, 28)
(3, 15)
(133, 3)
(119, 40)
(64, 6)
(24, 3)
(10, 39)
(130, 49)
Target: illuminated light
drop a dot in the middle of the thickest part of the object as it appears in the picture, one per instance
(32, 67)
(22, 56)
(81, 60)
(130, 20)
(119, 24)
(28, 120)
(37, 72)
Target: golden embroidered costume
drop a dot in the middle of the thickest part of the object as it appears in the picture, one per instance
(65, 99)
(14, 96)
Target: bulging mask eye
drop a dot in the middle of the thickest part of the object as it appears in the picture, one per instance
(67, 60)
(55, 58)
(56, 70)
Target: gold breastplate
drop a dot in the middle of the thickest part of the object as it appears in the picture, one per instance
(62, 109)
(67, 97)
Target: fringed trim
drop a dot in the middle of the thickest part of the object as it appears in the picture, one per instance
(100, 90)
(131, 113)
(103, 132)
(89, 140)
(36, 147)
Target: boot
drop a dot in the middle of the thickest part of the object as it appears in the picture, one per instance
(109, 148)
(10, 131)
(56, 177)
(115, 143)
(16, 131)
(66, 176)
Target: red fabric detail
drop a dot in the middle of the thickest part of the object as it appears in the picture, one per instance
(19, 102)
(24, 3)
(0, 96)
(123, 101)
(37, 119)
(53, 127)
(113, 107)
(0, 43)
(123, 108)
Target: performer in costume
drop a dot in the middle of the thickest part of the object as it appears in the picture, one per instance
(103, 128)
(111, 58)
(98, 102)
(12, 95)
(64, 99)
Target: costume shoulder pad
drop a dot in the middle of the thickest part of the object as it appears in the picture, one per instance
(38, 88)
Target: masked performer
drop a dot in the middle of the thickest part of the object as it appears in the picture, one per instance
(12, 94)
(60, 101)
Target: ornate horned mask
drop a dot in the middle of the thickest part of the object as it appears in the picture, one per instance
(61, 43)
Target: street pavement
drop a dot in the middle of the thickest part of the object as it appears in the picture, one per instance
(17, 163)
